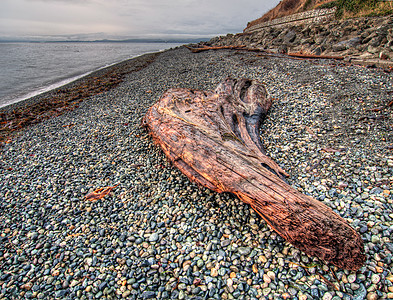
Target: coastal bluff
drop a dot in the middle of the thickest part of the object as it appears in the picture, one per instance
(312, 16)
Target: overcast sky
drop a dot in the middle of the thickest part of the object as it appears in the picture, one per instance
(128, 18)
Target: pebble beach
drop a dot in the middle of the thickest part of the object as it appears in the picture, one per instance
(157, 235)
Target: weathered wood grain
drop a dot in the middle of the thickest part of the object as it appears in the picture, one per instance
(213, 138)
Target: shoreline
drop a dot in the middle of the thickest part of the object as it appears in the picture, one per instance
(96, 73)
(68, 80)
(54, 102)
(158, 235)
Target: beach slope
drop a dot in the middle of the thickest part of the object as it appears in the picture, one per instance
(157, 235)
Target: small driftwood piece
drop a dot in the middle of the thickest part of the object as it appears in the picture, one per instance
(213, 138)
(314, 56)
(100, 193)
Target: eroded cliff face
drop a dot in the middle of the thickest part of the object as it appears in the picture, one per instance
(286, 8)
(365, 38)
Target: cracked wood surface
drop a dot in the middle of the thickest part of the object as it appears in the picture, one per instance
(213, 138)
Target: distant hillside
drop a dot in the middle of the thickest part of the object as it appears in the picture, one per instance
(345, 8)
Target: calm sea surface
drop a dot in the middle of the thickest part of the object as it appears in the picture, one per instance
(28, 69)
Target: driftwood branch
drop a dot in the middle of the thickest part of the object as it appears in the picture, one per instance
(313, 56)
(243, 47)
(206, 48)
(213, 138)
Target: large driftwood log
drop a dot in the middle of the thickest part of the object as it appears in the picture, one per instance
(213, 138)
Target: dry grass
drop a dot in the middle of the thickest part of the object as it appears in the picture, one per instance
(382, 9)
(322, 3)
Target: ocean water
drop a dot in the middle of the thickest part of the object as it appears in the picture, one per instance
(28, 69)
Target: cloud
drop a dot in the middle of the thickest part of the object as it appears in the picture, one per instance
(128, 17)
(66, 1)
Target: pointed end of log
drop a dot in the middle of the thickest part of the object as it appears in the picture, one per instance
(350, 254)
(355, 262)
(339, 245)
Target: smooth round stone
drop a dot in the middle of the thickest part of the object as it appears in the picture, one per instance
(327, 296)
(363, 229)
(364, 195)
(126, 294)
(148, 295)
(49, 280)
(315, 293)
(229, 282)
(225, 243)
(244, 250)
(221, 271)
(375, 239)
(266, 291)
(293, 292)
(372, 296)
(271, 275)
(99, 295)
(354, 286)
(376, 190)
(213, 272)
(236, 294)
(266, 278)
(351, 278)
(200, 263)
(60, 293)
(375, 278)
(234, 269)
(154, 237)
(196, 290)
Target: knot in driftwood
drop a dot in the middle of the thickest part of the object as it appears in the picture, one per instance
(213, 138)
